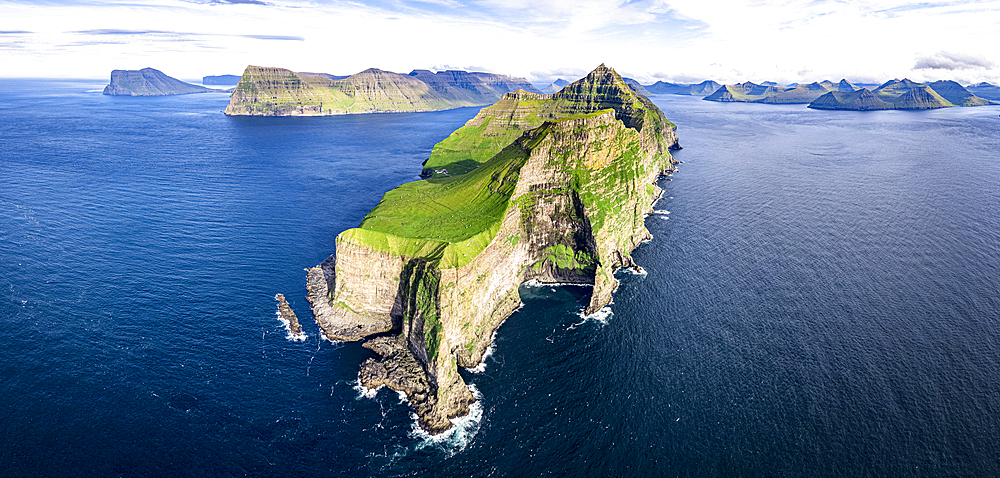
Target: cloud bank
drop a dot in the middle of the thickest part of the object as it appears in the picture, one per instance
(952, 61)
(672, 40)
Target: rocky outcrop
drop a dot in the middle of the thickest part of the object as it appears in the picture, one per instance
(563, 201)
(286, 314)
(149, 82)
(266, 91)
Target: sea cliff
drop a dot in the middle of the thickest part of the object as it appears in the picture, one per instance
(268, 91)
(556, 192)
(149, 82)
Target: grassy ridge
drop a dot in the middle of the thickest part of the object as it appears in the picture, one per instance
(447, 219)
(497, 125)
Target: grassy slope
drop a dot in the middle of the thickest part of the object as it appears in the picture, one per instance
(454, 218)
(497, 125)
(451, 219)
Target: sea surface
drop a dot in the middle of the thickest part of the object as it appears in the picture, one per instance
(822, 299)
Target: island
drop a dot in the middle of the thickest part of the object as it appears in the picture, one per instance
(149, 82)
(220, 80)
(552, 188)
(985, 90)
(704, 88)
(901, 95)
(774, 93)
(269, 91)
(555, 86)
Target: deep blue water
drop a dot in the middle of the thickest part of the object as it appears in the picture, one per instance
(824, 300)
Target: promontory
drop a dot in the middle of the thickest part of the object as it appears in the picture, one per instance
(149, 82)
(541, 187)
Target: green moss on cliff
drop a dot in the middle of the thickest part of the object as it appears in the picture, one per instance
(497, 125)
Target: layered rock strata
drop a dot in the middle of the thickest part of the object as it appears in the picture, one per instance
(267, 91)
(563, 201)
(286, 314)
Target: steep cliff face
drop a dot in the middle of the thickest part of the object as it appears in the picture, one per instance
(149, 82)
(265, 91)
(435, 268)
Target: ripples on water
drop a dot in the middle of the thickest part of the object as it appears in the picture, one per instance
(822, 300)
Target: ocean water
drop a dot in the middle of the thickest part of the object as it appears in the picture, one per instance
(823, 299)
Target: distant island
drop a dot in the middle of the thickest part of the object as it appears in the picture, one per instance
(843, 95)
(221, 80)
(268, 91)
(704, 88)
(901, 95)
(985, 90)
(150, 82)
(551, 188)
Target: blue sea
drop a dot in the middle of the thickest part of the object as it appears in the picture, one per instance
(822, 299)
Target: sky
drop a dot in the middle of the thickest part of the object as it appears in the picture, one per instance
(671, 40)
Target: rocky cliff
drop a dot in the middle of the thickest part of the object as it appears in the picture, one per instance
(149, 82)
(266, 91)
(434, 268)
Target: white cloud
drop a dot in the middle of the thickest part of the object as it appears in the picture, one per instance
(680, 40)
(952, 61)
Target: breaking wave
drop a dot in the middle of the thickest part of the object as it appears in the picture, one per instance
(462, 430)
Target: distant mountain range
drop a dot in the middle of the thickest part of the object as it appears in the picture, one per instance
(269, 91)
(901, 95)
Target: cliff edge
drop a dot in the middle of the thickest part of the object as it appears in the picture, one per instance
(149, 82)
(555, 189)
(268, 91)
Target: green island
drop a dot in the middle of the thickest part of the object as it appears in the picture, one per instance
(552, 188)
(269, 91)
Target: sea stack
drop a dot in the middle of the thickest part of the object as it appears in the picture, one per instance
(286, 314)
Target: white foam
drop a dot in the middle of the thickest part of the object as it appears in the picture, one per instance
(299, 337)
(365, 392)
(456, 438)
(535, 284)
(601, 317)
(636, 271)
